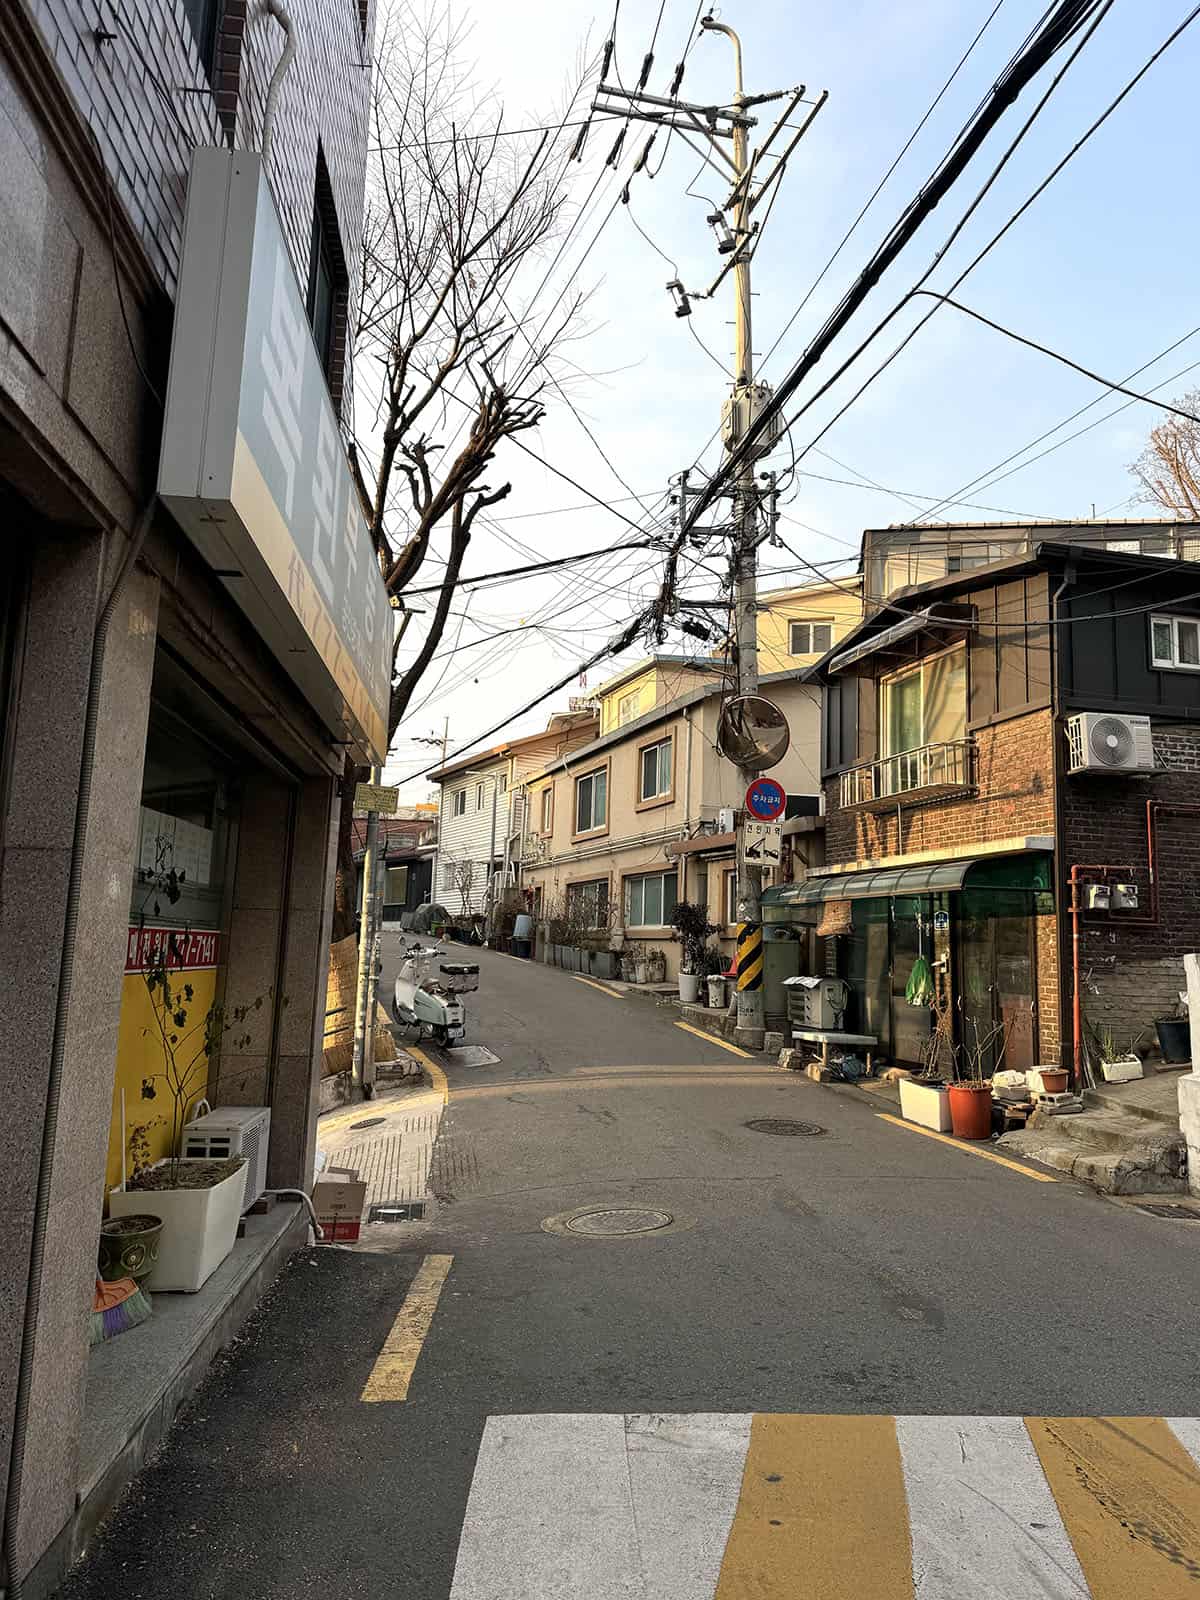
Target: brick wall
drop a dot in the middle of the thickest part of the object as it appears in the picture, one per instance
(148, 101)
(1015, 796)
(1132, 973)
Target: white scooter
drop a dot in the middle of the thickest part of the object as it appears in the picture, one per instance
(429, 1000)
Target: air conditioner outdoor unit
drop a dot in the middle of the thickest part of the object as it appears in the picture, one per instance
(233, 1131)
(1100, 742)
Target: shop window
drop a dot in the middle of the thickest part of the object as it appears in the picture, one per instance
(1175, 643)
(183, 829)
(811, 638)
(655, 770)
(396, 892)
(587, 903)
(591, 801)
(458, 804)
(927, 704)
(650, 899)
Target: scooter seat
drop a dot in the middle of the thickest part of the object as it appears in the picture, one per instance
(460, 969)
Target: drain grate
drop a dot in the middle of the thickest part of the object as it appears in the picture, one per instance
(614, 1223)
(397, 1211)
(784, 1125)
(1176, 1213)
(367, 1122)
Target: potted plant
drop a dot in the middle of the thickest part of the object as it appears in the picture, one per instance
(712, 971)
(1118, 1064)
(692, 928)
(199, 1201)
(970, 1095)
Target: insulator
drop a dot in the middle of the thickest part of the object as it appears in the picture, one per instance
(614, 155)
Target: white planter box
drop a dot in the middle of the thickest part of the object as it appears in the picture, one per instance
(689, 988)
(1124, 1070)
(199, 1227)
(925, 1105)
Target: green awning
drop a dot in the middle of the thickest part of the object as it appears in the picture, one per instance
(1028, 871)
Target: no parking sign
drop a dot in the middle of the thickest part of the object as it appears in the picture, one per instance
(765, 799)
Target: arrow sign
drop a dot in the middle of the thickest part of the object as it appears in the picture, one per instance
(766, 799)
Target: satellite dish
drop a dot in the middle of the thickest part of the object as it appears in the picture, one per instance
(753, 732)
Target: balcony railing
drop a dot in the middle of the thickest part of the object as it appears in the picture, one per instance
(926, 772)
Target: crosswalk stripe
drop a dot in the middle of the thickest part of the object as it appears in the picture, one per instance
(1129, 1494)
(984, 1523)
(774, 1507)
(821, 1514)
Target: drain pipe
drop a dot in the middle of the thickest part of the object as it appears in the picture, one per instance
(275, 9)
(37, 1251)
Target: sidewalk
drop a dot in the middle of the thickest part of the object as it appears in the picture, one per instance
(387, 1143)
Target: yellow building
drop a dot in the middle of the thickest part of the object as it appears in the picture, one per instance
(797, 626)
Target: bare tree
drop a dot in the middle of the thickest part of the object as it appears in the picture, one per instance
(462, 876)
(1168, 469)
(447, 364)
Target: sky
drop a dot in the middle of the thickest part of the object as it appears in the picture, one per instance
(1102, 267)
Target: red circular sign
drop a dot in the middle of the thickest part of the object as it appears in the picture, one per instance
(765, 799)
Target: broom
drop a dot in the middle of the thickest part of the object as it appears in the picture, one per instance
(117, 1306)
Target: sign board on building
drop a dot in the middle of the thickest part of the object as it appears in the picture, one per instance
(252, 463)
(179, 949)
(766, 799)
(583, 702)
(378, 797)
(760, 844)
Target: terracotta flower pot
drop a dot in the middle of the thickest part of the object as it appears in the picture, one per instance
(971, 1110)
(1054, 1082)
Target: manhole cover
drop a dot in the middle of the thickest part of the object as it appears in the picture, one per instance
(1176, 1213)
(367, 1122)
(472, 1055)
(613, 1223)
(784, 1125)
(397, 1211)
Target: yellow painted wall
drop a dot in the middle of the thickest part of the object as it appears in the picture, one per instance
(610, 704)
(840, 605)
(139, 1055)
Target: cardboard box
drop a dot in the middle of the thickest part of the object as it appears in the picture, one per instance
(339, 1203)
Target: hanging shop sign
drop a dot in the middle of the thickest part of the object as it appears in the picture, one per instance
(252, 463)
(381, 798)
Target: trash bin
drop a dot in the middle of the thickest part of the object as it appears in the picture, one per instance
(522, 935)
(1174, 1038)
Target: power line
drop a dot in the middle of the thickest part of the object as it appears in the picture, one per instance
(522, 572)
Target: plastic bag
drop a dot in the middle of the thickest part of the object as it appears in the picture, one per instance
(919, 989)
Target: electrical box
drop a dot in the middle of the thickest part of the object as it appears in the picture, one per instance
(742, 409)
(1124, 897)
(1097, 896)
(726, 820)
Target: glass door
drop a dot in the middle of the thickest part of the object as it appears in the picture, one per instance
(996, 979)
(912, 938)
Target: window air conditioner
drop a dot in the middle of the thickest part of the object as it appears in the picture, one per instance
(1100, 742)
(233, 1131)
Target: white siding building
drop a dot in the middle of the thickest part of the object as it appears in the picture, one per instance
(481, 814)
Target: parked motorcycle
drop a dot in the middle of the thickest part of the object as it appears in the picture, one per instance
(428, 990)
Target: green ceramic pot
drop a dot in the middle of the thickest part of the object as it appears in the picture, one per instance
(129, 1247)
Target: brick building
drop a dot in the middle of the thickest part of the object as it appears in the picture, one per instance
(184, 660)
(961, 789)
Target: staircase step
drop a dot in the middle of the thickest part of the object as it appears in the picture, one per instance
(1107, 1130)
(1149, 1167)
(1109, 1097)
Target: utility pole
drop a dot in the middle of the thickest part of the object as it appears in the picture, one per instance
(750, 1013)
(444, 741)
(720, 134)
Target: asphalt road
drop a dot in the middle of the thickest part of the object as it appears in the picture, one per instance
(865, 1271)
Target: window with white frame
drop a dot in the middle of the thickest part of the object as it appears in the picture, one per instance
(548, 808)
(650, 899)
(810, 638)
(731, 915)
(591, 801)
(459, 803)
(479, 797)
(504, 783)
(627, 707)
(1175, 643)
(926, 704)
(587, 903)
(655, 770)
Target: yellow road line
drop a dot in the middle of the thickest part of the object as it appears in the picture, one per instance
(394, 1366)
(1129, 1496)
(822, 1513)
(592, 984)
(435, 1072)
(712, 1039)
(968, 1149)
